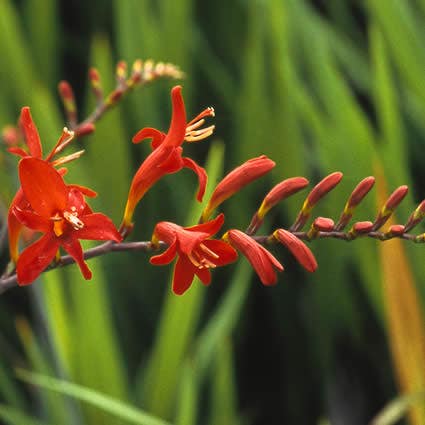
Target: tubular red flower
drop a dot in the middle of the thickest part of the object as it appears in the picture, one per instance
(61, 213)
(196, 252)
(262, 261)
(236, 180)
(166, 157)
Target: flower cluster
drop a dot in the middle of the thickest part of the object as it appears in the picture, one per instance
(47, 205)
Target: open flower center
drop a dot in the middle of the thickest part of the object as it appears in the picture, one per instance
(67, 217)
(198, 257)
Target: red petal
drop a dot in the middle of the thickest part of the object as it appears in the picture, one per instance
(35, 258)
(18, 151)
(43, 186)
(298, 249)
(166, 257)
(98, 227)
(184, 272)
(226, 253)
(30, 131)
(210, 227)
(32, 220)
(84, 190)
(149, 133)
(73, 248)
(204, 275)
(13, 225)
(174, 161)
(177, 130)
(202, 176)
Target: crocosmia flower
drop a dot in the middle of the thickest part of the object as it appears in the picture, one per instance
(166, 157)
(60, 212)
(196, 252)
(34, 150)
(262, 261)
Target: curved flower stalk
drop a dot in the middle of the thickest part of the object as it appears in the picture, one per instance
(166, 157)
(197, 252)
(60, 212)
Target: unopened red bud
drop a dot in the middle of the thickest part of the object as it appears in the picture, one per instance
(390, 205)
(281, 191)
(65, 91)
(96, 83)
(360, 191)
(362, 227)
(237, 180)
(395, 198)
(321, 189)
(323, 224)
(358, 194)
(85, 129)
(396, 230)
(114, 97)
(297, 248)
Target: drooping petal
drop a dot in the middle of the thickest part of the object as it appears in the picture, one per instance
(98, 227)
(262, 261)
(184, 272)
(226, 253)
(149, 133)
(32, 220)
(166, 257)
(174, 162)
(43, 186)
(35, 258)
(30, 131)
(202, 176)
(14, 226)
(73, 247)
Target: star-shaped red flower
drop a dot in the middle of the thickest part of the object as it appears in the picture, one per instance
(60, 212)
(196, 252)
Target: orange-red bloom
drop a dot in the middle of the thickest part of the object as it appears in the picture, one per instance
(196, 252)
(32, 140)
(237, 179)
(61, 213)
(263, 262)
(166, 157)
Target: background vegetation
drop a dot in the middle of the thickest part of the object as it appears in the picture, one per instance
(319, 87)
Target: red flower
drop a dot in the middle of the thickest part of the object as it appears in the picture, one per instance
(263, 262)
(197, 253)
(61, 213)
(32, 140)
(166, 157)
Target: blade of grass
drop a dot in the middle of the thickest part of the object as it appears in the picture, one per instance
(15, 416)
(101, 401)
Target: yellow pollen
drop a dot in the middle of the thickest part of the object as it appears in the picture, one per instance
(72, 218)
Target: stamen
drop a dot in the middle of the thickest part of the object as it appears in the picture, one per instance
(68, 158)
(196, 135)
(208, 251)
(72, 218)
(194, 261)
(208, 112)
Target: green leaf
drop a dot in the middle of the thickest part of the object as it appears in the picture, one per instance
(13, 416)
(96, 399)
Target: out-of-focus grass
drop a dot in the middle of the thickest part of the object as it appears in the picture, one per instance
(338, 88)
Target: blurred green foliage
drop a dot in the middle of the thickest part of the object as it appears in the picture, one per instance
(319, 87)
